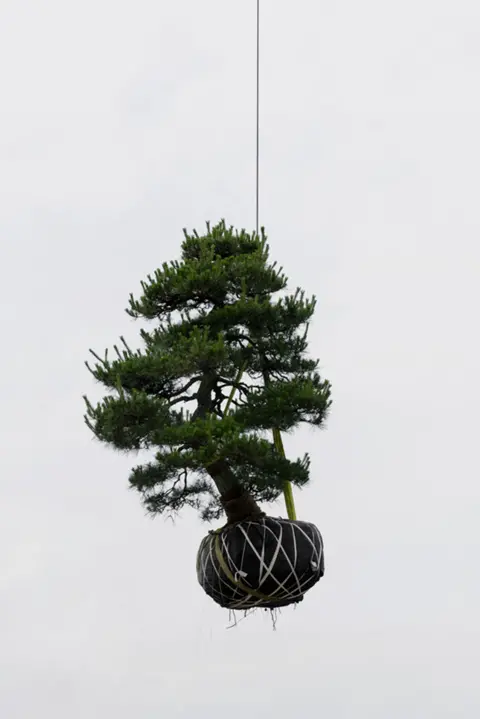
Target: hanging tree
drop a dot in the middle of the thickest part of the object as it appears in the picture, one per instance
(221, 374)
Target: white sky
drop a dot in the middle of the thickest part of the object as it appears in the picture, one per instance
(121, 123)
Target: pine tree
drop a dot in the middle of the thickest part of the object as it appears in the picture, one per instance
(225, 363)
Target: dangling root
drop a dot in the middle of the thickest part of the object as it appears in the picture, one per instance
(234, 621)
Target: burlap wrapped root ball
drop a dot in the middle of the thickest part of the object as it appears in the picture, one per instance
(264, 562)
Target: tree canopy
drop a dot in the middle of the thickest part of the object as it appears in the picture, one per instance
(224, 363)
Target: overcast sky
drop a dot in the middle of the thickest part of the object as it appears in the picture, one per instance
(123, 122)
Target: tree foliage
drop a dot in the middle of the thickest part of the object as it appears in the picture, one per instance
(224, 363)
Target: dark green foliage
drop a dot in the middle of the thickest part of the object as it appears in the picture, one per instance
(219, 333)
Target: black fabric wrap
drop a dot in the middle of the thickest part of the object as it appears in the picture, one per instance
(264, 562)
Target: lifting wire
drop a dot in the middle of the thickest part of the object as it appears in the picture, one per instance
(277, 437)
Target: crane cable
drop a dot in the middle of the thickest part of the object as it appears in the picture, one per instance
(277, 436)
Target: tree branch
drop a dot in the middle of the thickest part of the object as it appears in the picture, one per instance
(186, 386)
(183, 398)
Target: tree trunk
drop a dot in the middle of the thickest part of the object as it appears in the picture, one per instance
(237, 503)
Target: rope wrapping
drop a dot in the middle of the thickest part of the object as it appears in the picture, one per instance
(265, 563)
